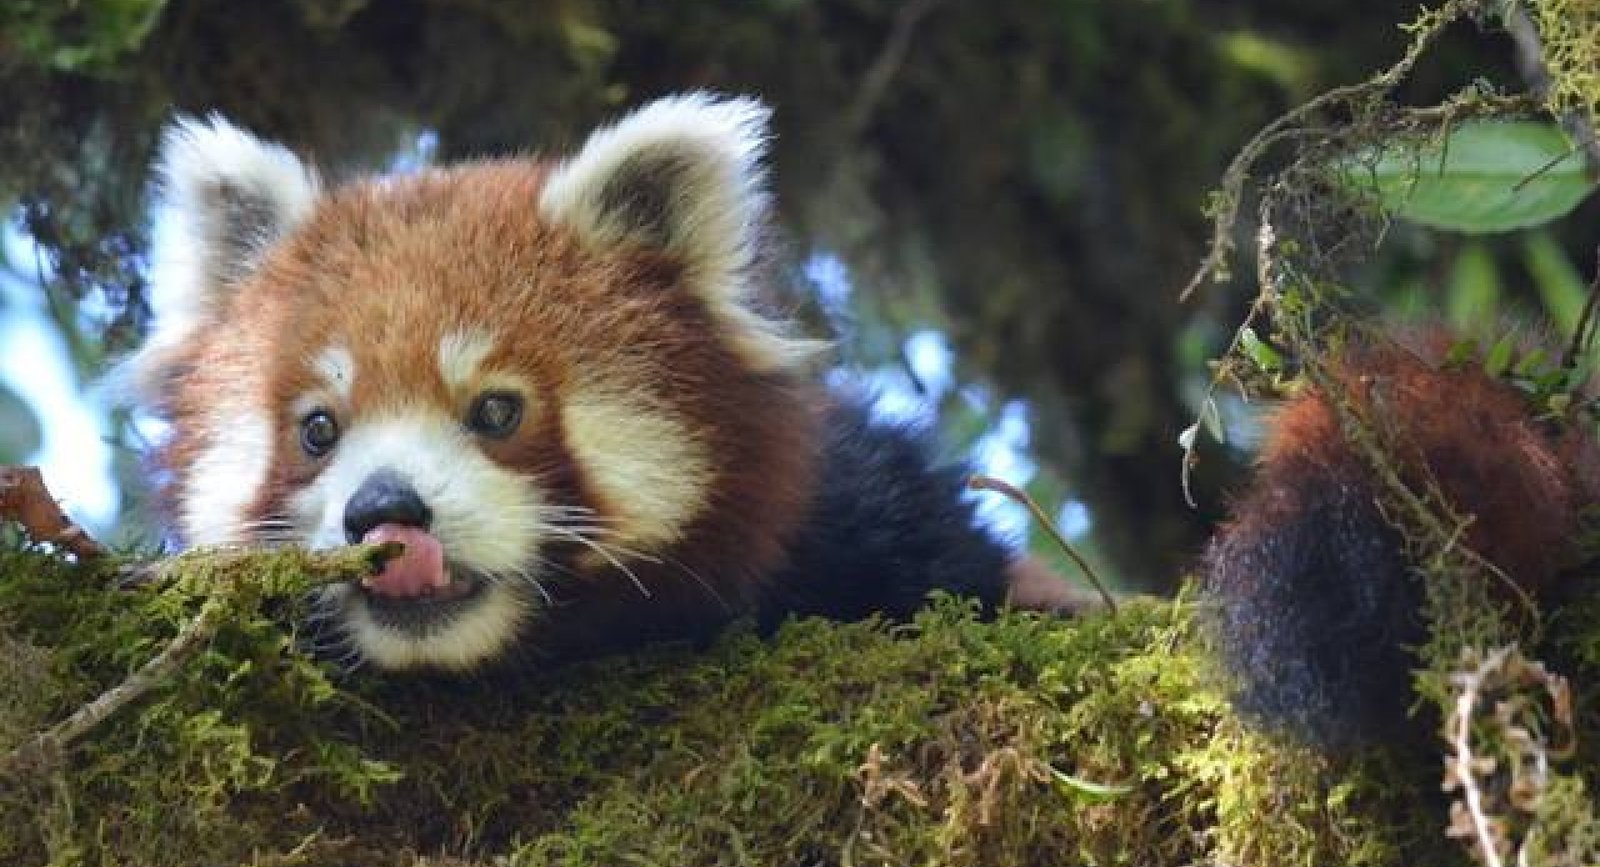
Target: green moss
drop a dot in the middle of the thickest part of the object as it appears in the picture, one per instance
(188, 768)
(950, 740)
(1566, 27)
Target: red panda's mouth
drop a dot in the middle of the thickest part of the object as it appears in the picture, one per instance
(417, 571)
(424, 613)
(459, 586)
(419, 578)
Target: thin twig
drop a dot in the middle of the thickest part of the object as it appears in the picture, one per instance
(1464, 765)
(875, 82)
(1583, 335)
(1189, 440)
(1231, 194)
(989, 483)
(46, 745)
(1504, 782)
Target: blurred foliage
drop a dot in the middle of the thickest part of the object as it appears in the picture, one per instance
(81, 36)
(19, 429)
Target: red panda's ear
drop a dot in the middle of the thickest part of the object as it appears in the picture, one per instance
(224, 197)
(682, 175)
(228, 195)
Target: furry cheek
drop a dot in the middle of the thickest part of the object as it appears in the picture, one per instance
(647, 464)
(226, 477)
(468, 641)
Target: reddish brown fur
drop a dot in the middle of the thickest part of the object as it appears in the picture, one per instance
(391, 266)
(1316, 601)
(1523, 481)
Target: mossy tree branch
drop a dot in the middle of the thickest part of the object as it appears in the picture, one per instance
(25, 500)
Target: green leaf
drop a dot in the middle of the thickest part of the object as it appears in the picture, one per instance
(1499, 360)
(1462, 353)
(1529, 365)
(1551, 381)
(1560, 286)
(1474, 288)
(1089, 790)
(1261, 352)
(1485, 176)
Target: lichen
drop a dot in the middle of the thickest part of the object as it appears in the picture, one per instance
(1567, 28)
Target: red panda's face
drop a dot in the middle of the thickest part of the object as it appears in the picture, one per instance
(512, 368)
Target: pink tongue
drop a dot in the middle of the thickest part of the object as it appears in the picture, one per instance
(416, 572)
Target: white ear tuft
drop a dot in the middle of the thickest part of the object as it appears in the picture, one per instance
(682, 175)
(224, 197)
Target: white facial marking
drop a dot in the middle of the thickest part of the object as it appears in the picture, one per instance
(226, 478)
(644, 461)
(460, 355)
(337, 367)
(488, 519)
(479, 634)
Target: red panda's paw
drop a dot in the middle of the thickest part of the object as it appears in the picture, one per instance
(1032, 585)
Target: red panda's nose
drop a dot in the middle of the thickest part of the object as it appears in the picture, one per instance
(386, 497)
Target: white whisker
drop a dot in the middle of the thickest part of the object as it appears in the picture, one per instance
(538, 586)
(603, 552)
(698, 579)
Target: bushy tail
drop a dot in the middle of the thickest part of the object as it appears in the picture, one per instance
(1315, 600)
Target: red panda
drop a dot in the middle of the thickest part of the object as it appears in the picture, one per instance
(1315, 603)
(553, 380)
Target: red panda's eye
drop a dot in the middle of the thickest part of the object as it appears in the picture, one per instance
(318, 433)
(495, 414)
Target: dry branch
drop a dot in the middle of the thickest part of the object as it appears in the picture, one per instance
(44, 749)
(25, 499)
